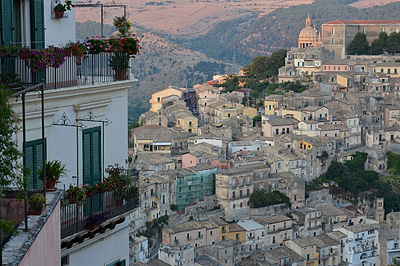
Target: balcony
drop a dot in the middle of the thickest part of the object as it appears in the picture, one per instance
(94, 69)
(103, 207)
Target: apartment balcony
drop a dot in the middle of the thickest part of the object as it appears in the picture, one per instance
(94, 69)
(104, 210)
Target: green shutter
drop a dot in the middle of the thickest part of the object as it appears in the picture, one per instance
(92, 170)
(96, 153)
(34, 160)
(37, 35)
(39, 163)
(6, 21)
(30, 164)
(37, 24)
(86, 159)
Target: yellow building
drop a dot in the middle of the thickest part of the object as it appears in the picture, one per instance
(270, 106)
(187, 122)
(156, 98)
(297, 114)
(305, 248)
(304, 145)
(249, 111)
(392, 69)
(231, 231)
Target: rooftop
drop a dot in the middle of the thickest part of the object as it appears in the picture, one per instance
(362, 22)
(250, 225)
(272, 219)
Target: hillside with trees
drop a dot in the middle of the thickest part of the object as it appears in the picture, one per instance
(242, 39)
(351, 181)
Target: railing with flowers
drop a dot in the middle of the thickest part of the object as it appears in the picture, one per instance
(93, 61)
(87, 207)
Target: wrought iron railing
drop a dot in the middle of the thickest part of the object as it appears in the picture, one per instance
(75, 71)
(98, 208)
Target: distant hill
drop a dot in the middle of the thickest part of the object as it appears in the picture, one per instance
(161, 63)
(91, 28)
(242, 39)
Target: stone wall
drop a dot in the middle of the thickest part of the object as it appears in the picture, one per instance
(268, 211)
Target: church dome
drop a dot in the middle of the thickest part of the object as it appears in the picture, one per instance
(308, 36)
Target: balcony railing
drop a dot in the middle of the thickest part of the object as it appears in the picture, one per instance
(73, 72)
(104, 206)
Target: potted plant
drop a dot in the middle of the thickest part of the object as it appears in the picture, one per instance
(75, 195)
(54, 170)
(9, 50)
(88, 190)
(100, 187)
(60, 8)
(94, 221)
(119, 62)
(36, 202)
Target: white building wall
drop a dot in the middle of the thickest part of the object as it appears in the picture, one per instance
(105, 101)
(58, 31)
(103, 249)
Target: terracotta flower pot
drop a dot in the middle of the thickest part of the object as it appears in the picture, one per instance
(101, 190)
(72, 200)
(89, 194)
(121, 74)
(59, 14)
(50, 183)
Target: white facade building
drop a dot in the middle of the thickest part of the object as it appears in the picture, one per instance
(362, 247)
(256, 235)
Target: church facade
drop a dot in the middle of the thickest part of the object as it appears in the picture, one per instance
(337, 35)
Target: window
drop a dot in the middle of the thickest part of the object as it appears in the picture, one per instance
(388, 70)
(333, 31)
(381, 70)
(234, 206)
(248, 192)
(395, 70)
(229, 115)
(117, 263)
(237, 237)
(363, 30)
(233, 196)
(333, 41)
(277, 132)
(34, 160)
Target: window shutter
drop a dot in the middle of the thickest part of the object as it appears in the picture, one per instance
(30, 165)
(37, 24)
(86, 159)
(34, 160)
(96, 156)
(38, 163)
(6, 22)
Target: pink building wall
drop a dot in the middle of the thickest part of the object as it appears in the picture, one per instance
(189, 160)
(221, 165)
(46, 249)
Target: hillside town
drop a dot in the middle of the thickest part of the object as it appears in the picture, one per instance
(201, 151)
(206, 177)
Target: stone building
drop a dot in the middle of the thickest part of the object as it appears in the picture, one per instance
(337, 35)
(234, 187)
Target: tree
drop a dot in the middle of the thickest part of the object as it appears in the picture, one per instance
(393, 43)
(9, 153)
(123, 26)
(359, 45)
(379, 45)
